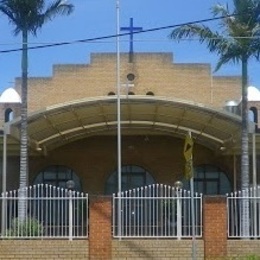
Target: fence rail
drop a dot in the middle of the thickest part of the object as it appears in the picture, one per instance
(156, 211)
(50, 212)
(239, 203)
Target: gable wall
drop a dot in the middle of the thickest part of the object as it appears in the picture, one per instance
(154, 72)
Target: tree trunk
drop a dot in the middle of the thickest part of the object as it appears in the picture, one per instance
(244, 150)
(23, 182)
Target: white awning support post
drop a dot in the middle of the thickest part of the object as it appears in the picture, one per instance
(6, 131)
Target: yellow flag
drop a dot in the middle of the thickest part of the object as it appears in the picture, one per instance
(188, 150)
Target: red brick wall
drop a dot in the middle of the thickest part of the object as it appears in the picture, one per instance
(215, 226)
(161, 156)
(100, 238)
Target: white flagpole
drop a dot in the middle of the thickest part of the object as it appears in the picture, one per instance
(118, 117)
(193, 219)
(192, 209)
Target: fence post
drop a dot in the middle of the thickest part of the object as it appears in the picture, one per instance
(70, 215)
(215, 226)
(179, 214)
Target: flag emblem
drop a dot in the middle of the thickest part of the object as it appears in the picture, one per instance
(188, 150)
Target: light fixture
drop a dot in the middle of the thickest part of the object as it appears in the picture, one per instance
(178, 185)
(70, 185)
(222, 148)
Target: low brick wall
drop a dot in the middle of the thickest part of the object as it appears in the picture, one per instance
(161, 249)
(44, 249)
(243, 248)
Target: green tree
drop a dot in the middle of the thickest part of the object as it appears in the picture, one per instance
(237, 40)
(27, 17)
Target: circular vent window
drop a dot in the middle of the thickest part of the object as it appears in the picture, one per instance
(130, 77)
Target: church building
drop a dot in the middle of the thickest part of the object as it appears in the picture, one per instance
(72, 124)
(73, 120)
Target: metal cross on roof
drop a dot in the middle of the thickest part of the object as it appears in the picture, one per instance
(131, 30)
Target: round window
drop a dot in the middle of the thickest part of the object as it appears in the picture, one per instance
(130, 77)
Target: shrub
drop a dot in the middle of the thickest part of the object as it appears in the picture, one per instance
(29, 228)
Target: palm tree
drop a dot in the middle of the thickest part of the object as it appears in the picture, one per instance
(28, 16)
(237, 41)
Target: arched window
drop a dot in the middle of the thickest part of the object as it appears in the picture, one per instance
(252, 116)
(111, 93)
(132, 177)
(209, 180)
(150, 93)
(55, 212)
(9, 115)
(57, 175)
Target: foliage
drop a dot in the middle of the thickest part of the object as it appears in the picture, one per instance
(31, 15)
(28, 228)
(237, 37)
(27, 17)
(253, 257)
(246, 257)
(236, 40)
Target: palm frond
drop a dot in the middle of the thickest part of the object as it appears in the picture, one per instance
(220, 10)
(204, 34)
(59, 7)
(239, 35)
(30, 15)
(255, 48)
(230, 53)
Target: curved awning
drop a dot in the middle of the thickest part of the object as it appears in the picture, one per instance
(61, 124)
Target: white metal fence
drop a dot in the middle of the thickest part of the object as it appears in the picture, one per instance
(156, 211)
(235, 202)
(51, 212)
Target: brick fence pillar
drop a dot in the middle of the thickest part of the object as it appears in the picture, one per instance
(215, 227)
(100, 238)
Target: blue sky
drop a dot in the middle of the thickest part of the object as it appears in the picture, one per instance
(94, 18)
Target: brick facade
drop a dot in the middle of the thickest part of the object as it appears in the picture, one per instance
(161, 156)
(242, 249)
(162, 249)
(44, 250)
(154, 72)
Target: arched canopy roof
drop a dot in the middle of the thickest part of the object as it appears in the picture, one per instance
(61, 124)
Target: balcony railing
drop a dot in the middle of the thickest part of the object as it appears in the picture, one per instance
(51, 212)
(156, 211)
(244, 213)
